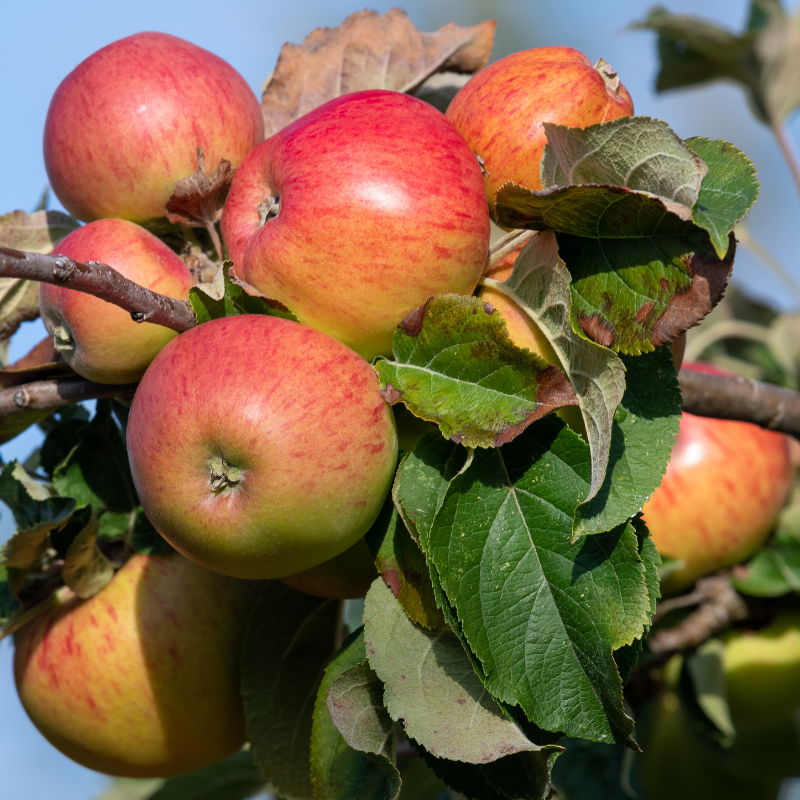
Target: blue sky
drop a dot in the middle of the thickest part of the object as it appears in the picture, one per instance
(43, 41)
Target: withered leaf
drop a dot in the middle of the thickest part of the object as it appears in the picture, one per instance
(86, 570)
(39, 232)
(198, 200)
(41, 363)
(368, 51)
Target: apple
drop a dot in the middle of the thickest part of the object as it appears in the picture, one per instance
(722, 491)
(260, 447)
(500, 110)
(97, 339)
(348, 576)
(141, 680)
(357, 213)
(126, 125)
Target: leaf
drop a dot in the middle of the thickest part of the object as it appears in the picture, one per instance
(367, 51)
(228, 296)
(728, 191)
(402, 566)
(8, 603)
(542, 615)
(592, 771)
(19, 302)
(289, 639)
(456, 366)
(86, 570)
(646, 423)
(430, 684)
(198, 200)
(39, 232)
(235, 778)
(539, 284)
(339, 770)
(97, 471)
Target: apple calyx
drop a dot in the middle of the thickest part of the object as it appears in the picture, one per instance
(224, 476)
(63, 339)
(269, 209)
(608, 74)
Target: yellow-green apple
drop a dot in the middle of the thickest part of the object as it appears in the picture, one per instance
(127, 123)
(260, 447)
(500, 110)
(723, 489)
(97, 339)
(357, 213)
(141, 680)
(345, 577)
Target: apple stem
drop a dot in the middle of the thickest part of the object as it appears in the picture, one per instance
(507, 244)
(101, 281)
(212, 232)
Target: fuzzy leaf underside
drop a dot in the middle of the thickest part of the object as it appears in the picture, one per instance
(86, 570)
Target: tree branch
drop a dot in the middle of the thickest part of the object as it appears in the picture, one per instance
(101, 281)
(737, 398)
(56, 393)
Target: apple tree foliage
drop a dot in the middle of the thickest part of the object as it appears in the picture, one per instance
(515, 582)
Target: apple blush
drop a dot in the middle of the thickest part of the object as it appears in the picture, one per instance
(260, 447)
(357, 213)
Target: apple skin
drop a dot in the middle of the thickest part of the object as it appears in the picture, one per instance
(141, 680)
(125, 125)
(381, 206)
(348, 576)
(103, 343)
(722, 491)
(297, 413)
(500, 110)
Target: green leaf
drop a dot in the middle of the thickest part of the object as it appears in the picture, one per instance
(646, 423)
(339, 771)
(8, 603)
(63, 537)
(592, 771)
(542, 615)
(402, 566)
(288, 641)
(235, 778)
(97, 470)
(86, 570)
(539, 285)
(430, 684)
(728, 192)
(456, 366)
(419, 781)
(228, 296)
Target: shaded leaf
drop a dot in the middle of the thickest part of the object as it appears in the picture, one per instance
(646, 423)
(430, 684)
(337, 769)
(86, 570)
(198, 200)
(402, 566)
(283, 659)
(8, 603)
(39, 232)
(593, 771)
(61, 538)
(542, 615)
(539, 284)
(456, 366)
(367, 51)
(19, 302)
(228, 296)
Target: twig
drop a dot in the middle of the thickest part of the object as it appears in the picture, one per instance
(507, 244)
(43, 395)
(720, 606)
(737, 398)
(726, 329)
(101, 281)
(787, 148)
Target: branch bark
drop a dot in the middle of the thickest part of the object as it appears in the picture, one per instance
(56, 393)
(101, 281)
(741, 399)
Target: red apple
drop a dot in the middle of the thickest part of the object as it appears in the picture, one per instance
(142, 680)
(260, 447)
(500, 111)
(99, 340)
(359, 212)
(723, 489)
(126, 124)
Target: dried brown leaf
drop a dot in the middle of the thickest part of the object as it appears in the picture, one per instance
(368, 51)
(41, 363)
(198, 200)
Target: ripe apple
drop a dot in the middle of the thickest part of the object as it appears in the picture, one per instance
(141, 680)
(500, 110)
(97, 339)
(346, 577)
(357, 213)
(260, 447)
(723, 489)
(126, 124)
